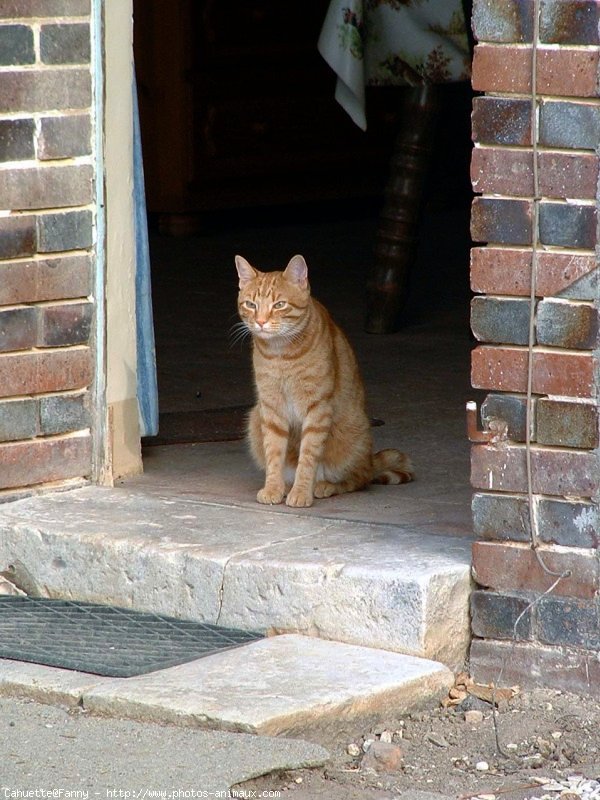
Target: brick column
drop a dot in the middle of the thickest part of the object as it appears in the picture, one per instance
(46, 242)
(559, 637)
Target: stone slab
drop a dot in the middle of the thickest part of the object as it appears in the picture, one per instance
(379, 586)
(132, 759)
(287, 684)
(394, 587)
(44, 684)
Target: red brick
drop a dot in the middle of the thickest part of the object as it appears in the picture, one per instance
(506, 171)
(507, 271)
(43, 8)
(568, 71)
(568, 175)
(505, 369)
(45, 90)
(500, 170)
(556, 472)
(515, 568)
(572, 275)
(46, 187)
(58, 278)
(44, 460)
(497, 270)
(532, 665)
(50, 371)
(564, 71)
(501, 68)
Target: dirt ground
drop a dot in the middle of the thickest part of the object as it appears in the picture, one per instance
(542, 736)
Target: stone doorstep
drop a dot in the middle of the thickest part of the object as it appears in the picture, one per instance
(378, 586)
(283, 685)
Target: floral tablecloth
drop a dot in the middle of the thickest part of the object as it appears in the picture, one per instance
(391, 43)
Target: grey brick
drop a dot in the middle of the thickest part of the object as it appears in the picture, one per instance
(65, 44)
(512, 409)
(504, 517)
(46, 187)
(569, 523)
(45, 90)
(18, 328)
(501, 221)
(508, 21)
(43, 8)
(493, 615)
(17, 236)
(18, 420)
(64, 413)
(16, 45)
(16, 139)
(66, 324)
(570, 622)
(567, 424)
(567, 225)
(503, 321)
(501, 120)
(570, 124)
(570, 325)
(65, 137)
(72, 230)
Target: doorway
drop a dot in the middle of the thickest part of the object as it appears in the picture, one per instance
(319, 195)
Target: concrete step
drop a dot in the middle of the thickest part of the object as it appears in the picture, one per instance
(375, 585)
(287, 684)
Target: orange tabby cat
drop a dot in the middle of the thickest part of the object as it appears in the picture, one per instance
(309, 430)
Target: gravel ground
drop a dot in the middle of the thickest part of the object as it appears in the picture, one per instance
(550, 743)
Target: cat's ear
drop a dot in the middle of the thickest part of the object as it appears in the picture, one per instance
(246, 271)
(297, 271)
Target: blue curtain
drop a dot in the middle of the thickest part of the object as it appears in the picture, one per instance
(147, 388)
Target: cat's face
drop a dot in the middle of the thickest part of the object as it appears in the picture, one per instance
(273, 304)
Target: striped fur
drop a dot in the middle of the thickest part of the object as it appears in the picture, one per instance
(309, 429)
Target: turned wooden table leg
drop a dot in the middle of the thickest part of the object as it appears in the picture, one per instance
(397, 233)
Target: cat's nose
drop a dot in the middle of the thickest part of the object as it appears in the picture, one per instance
(261, 322)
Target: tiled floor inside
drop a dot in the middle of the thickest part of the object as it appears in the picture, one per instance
(417, 379)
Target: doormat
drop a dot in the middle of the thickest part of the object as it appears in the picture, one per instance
(105, 640)
(207, 425)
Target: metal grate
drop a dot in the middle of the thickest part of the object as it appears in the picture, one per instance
(105, 640)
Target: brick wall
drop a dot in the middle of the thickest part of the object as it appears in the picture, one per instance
(46, 242)
(558, 639)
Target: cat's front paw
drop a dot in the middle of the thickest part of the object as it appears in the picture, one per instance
(270, 496)
(299, 498)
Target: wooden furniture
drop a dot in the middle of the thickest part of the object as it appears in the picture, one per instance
(396, 237)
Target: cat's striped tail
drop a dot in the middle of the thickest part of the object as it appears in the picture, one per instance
(391, 466)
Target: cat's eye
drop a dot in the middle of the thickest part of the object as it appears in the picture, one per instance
(250, 304)
(279, 304)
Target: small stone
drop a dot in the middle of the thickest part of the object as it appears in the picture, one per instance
(298, 779)
(398, 736)
(437, 740)
(556, 734)
(512, 746)
(367, 744)
(382, 757)
(486, 797)
(474, 717)
(353, 749)
(386, 736)
(482, 766)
